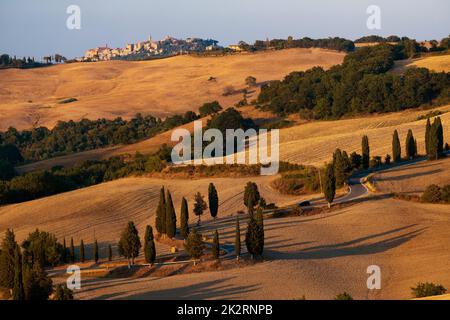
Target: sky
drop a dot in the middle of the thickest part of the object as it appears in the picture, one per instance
(38, 27)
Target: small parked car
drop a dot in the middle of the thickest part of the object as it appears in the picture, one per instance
(304, 204)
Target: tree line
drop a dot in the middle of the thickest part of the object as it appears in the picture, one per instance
(22, 267)
(361, 84)
(71, 136)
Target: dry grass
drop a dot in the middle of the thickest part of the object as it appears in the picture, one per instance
(318, 257)
(314, 143)
(103, 210)
(159, 87)
(438, 63)
(412, 180)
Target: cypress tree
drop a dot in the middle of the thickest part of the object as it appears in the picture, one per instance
(365, 152)
(347, 164)
(260, 222)
(82, 257)
(95, 251)
(216, 246)
(396, 148)
(329, 187)
(171, 218)
(27, 276)
(72, 251)
(160, 221)
(110, 254)
(339, 168)
(237, 242)
(184, 219)
(410, 145)
(213, 200)
(440, 136)
(149, 246)
(64, 252)
(252, 237)
(434, 142)
(7, 260)
(427, 137)
(18, 292)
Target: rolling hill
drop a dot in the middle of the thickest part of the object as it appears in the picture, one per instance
(160, 87)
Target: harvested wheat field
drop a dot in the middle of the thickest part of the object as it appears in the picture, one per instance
(413, 179)
(438, 63)
(159, 87)
(313, 143)
(106, 208)
(318, 257)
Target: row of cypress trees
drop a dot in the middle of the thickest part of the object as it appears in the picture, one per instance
(166, 219)
(68, 254)
(410, 146)
(434, 139)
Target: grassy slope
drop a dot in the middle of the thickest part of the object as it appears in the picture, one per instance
(159, 87)
(319, 257)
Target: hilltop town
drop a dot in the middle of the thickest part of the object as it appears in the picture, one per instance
(168, 46)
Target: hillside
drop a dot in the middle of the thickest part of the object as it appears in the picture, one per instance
(310, 143)
(436, 63)
(159, 87)
(318, 257)
(106, 208)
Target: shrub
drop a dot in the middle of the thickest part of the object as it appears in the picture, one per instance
(427, 289)
(445, 193)
(432, 194)
(343, 296)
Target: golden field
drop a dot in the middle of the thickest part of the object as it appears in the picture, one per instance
(160, 87)
(320, 256)
(437, 63)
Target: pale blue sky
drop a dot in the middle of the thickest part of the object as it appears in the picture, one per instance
(38, 27)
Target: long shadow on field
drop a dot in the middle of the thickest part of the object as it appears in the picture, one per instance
(371, 244)
(407, 176)
(214, 289)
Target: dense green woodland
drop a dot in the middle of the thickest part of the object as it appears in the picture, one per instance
(71, 137)
(361, 84)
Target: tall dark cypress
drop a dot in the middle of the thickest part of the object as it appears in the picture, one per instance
(339, 168)
(64, 252)
(410, 145)
(427, 137)
(82, 256)
(110, 254)
(396, 147)
(184, 219)
(434, 141)
(171, 218)
(149, 246)
(96, 251)
(329, 185)
(72, 251)
(440, 136)
(213, 199)
(365, 152)
(161, 213)
(237, 241)
(260, 222)
(18, 292)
